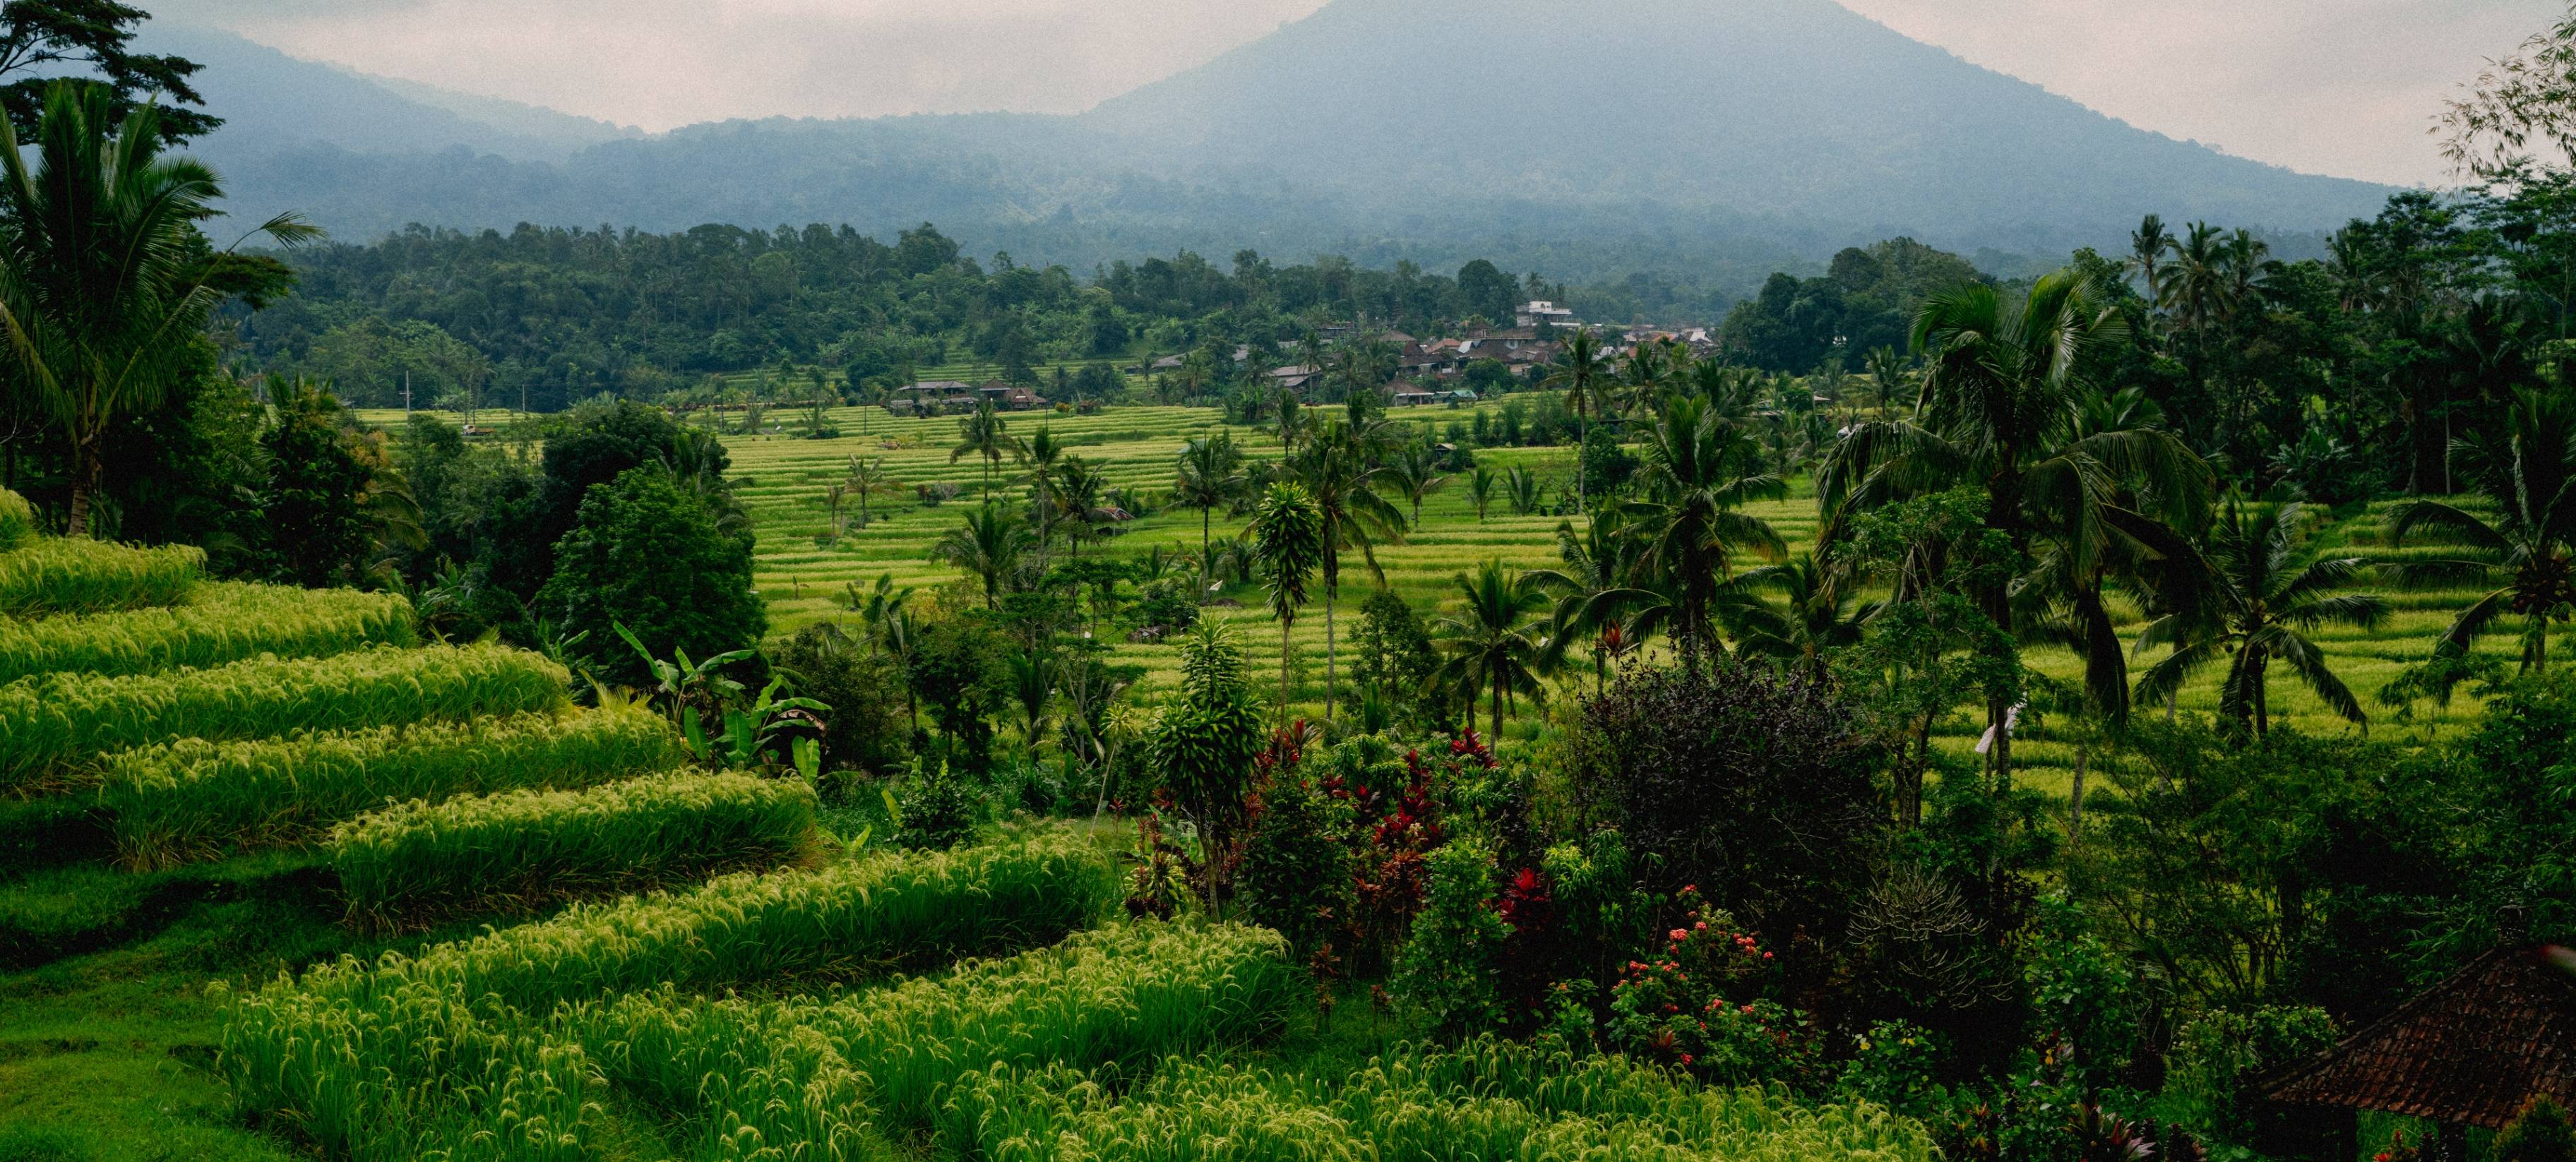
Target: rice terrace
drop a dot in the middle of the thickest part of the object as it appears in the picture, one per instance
(1246, 590)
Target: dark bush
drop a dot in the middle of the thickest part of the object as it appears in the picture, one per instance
(868, 728)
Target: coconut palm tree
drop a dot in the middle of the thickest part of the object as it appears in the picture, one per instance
(1490, 648)
(990, 545)
(1480, 489)
(1341, 477)
(1997, 412)
(104, 279)
(1819, 613)
(2269, 594)
(1887, 379)
(1413, 473)
(2529, 544)
(1082, 503)
(985, 434)
(1211, 475)
(1584, 375)
(1524, 490)
(870, 478)
(1595, 602)
(1288, 544)
(1697, 476)
(2148, 245)
(1043, 456)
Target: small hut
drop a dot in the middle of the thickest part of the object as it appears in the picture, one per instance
(2466, 1052)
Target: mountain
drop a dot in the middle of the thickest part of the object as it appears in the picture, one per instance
(1786, 108)
(1716, 139)
(273, 103)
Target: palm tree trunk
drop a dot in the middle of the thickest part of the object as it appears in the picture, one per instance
(1332, 592)
(2262, 701)
(1285, 624)
(1497, 731)
(1207, 568)
(84, 486)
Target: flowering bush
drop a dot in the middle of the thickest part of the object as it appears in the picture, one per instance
(1696, 1005)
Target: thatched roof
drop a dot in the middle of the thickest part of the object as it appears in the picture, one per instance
(2468, 1050)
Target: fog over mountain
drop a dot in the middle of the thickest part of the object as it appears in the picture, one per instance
(1726, 134)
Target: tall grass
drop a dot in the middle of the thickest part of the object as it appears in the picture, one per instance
(54, 722)
(1488, 1099)
(367, 1058)
(70, 575)
(191, 800)
(17, 520)
(215, 624)
(419, 861)
(825, 1075)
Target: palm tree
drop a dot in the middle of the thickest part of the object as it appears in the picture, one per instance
(1490, 648)
(1480, 488)
(1584, 375)
(878, 607)
(990, 545)
(1211, 474)
(1083, 503)
(1696, 479)
(2267, 596)
(1887, 378)
(1997, 412)
(1524, 489)
(103, 276)
(2530, 542)
(1820, 614)
(1031, 678)
(1649, 368)
(1341, 477)
(984, 434)
(870, 478)
(2148, 245)
(1414, 473)
(1595, 600)
(1288, 542)
(1043, 456)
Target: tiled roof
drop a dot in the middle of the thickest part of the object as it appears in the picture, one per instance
(2469, 1049)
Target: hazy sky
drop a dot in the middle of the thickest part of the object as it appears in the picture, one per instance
(2345, 87)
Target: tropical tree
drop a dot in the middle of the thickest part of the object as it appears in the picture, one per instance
(1584, 374)
(1288, 545)
(1595, 602)
(1043, 456)
(1887, 379)
(986, 435)
(1203, 744)
(104, 279)
(1211, 475)
(990, 545)
(1480, 489)
(2148, 245)
(1819, 613)
(2528, 544)
(1524, 490)
(1081, 502)
(1697, 479)
(1414, 472)
(868, 478)
(1341, 476)
(2269, 594)
(1490, 648)
(1997, 413)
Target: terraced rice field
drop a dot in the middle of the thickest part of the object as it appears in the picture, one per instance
(782, 479)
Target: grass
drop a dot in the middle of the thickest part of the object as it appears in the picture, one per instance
(65, 575)
(515, 852)
(54, 723)
(17, 520)
(195, 799)
(213, 624)
(1488, 1099)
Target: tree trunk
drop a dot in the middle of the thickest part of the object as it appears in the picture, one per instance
(1332, 592)
(1207, 568)
(84, 485)
(1497, 731)
(1285, 624)
(2075, 801)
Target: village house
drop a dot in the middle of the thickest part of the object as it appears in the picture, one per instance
(1010, 397)
(1538, 311)
(931, 397)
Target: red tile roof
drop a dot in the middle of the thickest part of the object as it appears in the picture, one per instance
(2469, 1049)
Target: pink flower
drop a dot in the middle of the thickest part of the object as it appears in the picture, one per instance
(1679, 935)
(1702, 926)
(1766, 956)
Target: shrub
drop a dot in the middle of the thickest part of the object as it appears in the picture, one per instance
(1296, 875)
(51, 722)
(1757, 788)
(939, 810)
(192, 799)
(2539, 1133)
(2219, 1058)
(215, 624)
(1447, 970)
(517, 850)
(648, 553)
(868, 727)
(67, 575)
